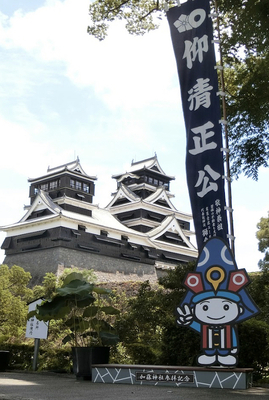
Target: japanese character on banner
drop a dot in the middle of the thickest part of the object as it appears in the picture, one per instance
(205, 182)
(202, 143)
(199, 94)
(194, 50)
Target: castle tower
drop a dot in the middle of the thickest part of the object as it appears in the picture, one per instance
(143, 201)
(68, 182)
(136, 237)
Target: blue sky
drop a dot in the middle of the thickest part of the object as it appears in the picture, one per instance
(64, 94)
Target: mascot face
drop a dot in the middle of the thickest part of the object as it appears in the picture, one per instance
(217, 311)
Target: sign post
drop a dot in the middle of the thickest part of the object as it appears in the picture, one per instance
(36, 350)
(37, 330)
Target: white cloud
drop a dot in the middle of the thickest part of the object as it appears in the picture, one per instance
(250, 203)
(126, 71)
(246, 246)
(18, 140)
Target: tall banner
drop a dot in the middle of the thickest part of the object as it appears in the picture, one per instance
(192, 37)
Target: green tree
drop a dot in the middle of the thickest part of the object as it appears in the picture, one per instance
(259, 288)
(254, 346)
(263, 237)
(48, 287)
(148, 328)
(138, 15)
(180, 345)
(14, 296)
(263, 234)
(51, 282)
(245, 46)
(140, 327)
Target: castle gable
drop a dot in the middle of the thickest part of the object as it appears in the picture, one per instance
(160, 198)
(123, 196)
(41, 207)
(170, 231)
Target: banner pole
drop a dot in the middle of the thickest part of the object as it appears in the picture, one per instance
(226, 138)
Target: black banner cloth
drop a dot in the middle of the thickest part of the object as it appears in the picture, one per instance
(192, 38)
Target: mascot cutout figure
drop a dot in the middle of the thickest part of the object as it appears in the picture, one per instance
(216, 301)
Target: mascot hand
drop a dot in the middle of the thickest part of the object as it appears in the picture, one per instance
(185, 316)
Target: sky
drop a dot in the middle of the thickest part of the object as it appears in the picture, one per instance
(64, 94)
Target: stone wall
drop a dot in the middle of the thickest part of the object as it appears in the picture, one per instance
(106, 268)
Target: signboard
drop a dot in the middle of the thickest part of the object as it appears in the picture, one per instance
(36, 329)
(192, 38)
(164, 377)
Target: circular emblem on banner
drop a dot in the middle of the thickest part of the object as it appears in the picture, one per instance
(197, 17)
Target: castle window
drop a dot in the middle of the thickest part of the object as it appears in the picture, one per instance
(86, 188)
(44, 186)
(53, 184)
(150, 180)
(78, 185)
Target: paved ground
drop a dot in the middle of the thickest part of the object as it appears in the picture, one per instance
(49, 386)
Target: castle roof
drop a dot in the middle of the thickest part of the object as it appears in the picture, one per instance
(150, 164)
(73, 167)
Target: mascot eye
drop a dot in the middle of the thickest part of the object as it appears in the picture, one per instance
(226, 307)
(205, 308)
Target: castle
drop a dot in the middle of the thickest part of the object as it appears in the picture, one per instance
(137, 236)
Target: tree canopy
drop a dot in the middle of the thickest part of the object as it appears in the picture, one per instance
(263, 238)
(14, 296)
(245, 45)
